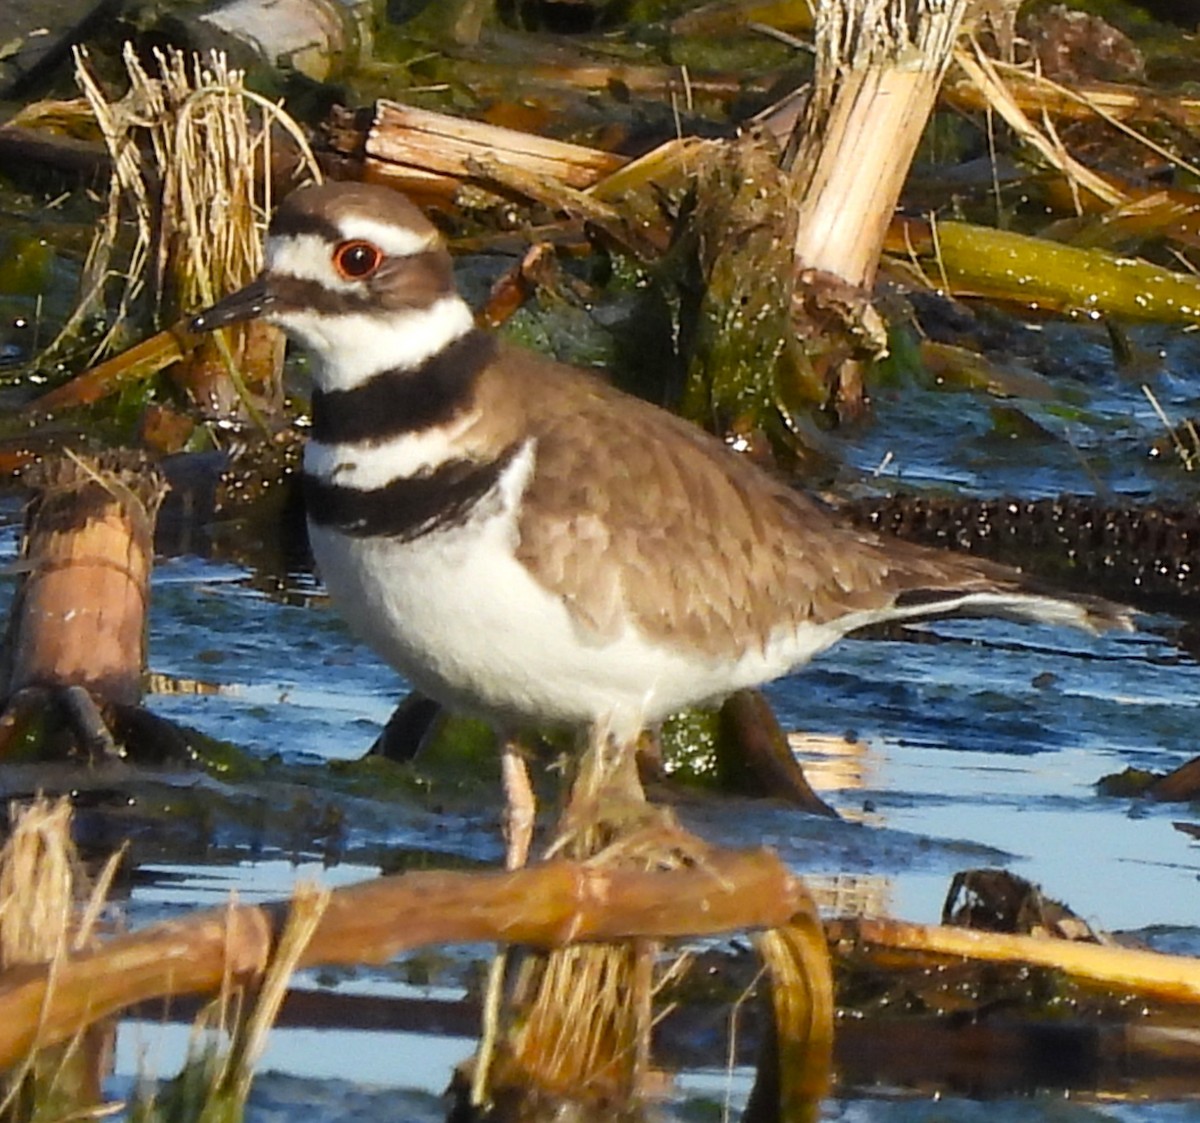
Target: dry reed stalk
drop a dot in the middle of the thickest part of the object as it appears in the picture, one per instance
(162, 110)
(983, 73)
(48, 910)
(243, 1014)
(199, 204)
(879, 66)
(1117, 104)
(582, 1015)
(584, 1025)
(48, 906)
(308, 905)
(1010, 91)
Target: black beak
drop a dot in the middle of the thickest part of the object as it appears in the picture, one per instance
(246, 304)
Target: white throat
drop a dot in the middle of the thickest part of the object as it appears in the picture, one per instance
(352, 347)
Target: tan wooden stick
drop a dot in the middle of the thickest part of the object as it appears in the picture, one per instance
(1175, 978)
(547, 905)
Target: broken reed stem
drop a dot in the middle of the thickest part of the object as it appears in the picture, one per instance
(79, 618)
(549, 905)
(879, 66)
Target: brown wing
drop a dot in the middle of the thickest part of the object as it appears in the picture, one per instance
(634, 511)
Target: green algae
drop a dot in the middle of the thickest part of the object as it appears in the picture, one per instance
(982, 261)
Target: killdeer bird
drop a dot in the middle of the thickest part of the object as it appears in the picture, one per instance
(527, 543)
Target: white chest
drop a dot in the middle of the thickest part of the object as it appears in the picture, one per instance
(457, 614)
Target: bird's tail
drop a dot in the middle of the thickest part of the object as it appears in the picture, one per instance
(1022, 603)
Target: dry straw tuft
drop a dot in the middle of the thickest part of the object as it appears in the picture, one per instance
(199, 202)
(47, 909)
(47, 905)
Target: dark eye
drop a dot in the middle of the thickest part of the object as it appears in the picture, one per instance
(356, 260)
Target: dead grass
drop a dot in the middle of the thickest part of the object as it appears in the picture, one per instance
(197, 205)
(48, 908)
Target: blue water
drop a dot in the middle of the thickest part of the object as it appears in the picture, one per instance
(980, 746)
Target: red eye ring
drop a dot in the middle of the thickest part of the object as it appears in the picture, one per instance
(357, 259)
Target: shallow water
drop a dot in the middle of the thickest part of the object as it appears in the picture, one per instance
(978, 746)
(964, 754)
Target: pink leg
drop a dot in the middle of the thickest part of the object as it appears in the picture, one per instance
(519, 805)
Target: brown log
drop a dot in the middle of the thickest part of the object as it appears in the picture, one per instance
(548, 905)
(1181, 784)
(79, 618)
(431, 155)
(21, 147)
(760, 752)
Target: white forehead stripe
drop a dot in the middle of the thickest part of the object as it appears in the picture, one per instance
(396, 241)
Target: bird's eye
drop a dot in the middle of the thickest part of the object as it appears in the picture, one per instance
(356, 260)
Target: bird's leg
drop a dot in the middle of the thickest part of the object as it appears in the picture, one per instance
(607, 797)
(520, 805)
(607, 767)
(519, 811)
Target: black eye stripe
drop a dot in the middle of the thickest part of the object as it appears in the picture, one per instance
(431, 279)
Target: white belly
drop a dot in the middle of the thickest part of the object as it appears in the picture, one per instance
(465, 622)
(458, 616)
